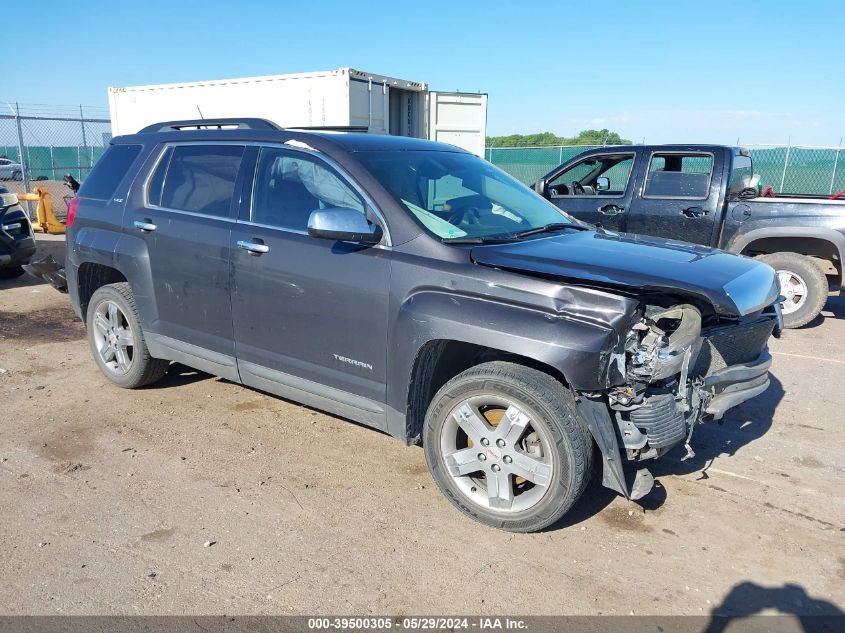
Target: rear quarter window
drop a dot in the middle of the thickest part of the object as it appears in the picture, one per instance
(107, 173)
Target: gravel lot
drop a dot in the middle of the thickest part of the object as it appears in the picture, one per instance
(201, 496)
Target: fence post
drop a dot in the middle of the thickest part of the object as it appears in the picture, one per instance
(560, 156)
(52, 165)
(21, 155)
(84, 140)
(785, 164)
(835, 164)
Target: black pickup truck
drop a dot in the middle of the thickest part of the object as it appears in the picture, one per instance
(704, 194)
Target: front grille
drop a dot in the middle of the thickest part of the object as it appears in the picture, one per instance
(732, 345)
(661, 419)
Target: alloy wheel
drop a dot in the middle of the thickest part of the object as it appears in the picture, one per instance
(794, 290)
(114, 338)
(497, 457)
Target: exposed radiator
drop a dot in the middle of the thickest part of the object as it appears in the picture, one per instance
(661, 419)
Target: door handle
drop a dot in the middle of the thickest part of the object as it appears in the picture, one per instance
(694, 212)
(145, 226)
(253, 248)
(611, 209)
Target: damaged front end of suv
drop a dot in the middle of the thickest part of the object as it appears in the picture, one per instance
(678, 366)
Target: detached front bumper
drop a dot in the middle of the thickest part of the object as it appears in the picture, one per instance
(734, 385)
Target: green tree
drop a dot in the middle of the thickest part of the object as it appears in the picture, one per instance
(597, 137)
(585, 137)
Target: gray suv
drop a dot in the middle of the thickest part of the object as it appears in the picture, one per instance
(415, 288)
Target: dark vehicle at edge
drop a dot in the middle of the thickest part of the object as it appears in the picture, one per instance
(17, 242)
(706, 194)
(413, 287)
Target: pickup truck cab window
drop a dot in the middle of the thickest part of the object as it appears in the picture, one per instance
(486, 204)
(196, 179)
(289, 185)
(581, 179)
(679, 175)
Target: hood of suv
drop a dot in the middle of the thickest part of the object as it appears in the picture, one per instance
(733, 285)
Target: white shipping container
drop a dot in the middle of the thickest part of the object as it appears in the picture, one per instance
(340, 99)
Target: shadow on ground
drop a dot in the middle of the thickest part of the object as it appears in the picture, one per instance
(835, 307)
(748, 599)
(179, 375)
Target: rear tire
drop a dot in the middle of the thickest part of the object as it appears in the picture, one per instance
(12, 272)
(117, 341)
(803, 284)
(531, 456)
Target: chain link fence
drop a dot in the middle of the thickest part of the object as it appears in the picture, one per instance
(787, 169)
(40, 144)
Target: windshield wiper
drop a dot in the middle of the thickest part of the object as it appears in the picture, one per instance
(492, 239)
(554, 226)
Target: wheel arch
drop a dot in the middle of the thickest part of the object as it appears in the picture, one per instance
(440, 360)
(97, 257)
(825, 246)
(438, 335)
(90, 277)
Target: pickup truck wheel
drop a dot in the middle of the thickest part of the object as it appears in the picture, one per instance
(803, 284)
(116, 340)
(12, 272)
(505, 444)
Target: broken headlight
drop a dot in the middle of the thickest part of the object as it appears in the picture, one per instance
(657, 345)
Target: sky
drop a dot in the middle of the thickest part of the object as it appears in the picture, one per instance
(668, 71)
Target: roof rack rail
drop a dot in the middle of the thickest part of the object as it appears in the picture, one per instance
(331, 128)
(211, 124)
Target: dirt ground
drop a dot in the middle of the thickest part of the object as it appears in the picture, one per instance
(200, 496)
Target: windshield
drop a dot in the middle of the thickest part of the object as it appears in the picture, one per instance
(455, 195)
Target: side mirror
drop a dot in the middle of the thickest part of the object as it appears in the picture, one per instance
(542, 187)
(343, 224)
(602, 183)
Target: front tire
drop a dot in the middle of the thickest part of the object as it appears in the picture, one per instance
(116, 340)
(506, 445)
(803, 284)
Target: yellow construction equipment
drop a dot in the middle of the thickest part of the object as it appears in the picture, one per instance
(45, 220)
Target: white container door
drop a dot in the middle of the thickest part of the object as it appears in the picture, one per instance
(458, 118)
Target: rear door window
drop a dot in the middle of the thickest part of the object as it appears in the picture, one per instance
(679, 175)
(198, 179)
(107, 173)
